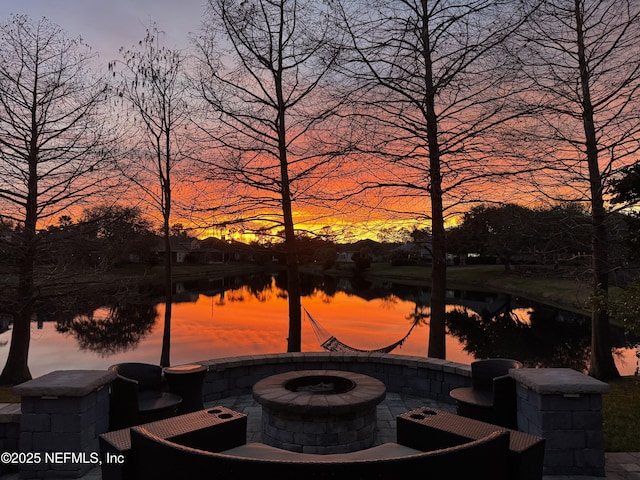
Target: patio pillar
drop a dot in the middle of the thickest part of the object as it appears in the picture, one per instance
(565, 407)
(63, 413)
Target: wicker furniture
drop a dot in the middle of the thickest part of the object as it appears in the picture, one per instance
(156, 457)
(427, 428)
(492, 395)
(215, 428)
(137, 396)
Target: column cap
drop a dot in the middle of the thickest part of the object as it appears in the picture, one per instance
(65, 383)
(549, 381)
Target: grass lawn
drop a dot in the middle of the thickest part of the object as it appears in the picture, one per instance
(621, 422)
(7, 396)
(566, 293)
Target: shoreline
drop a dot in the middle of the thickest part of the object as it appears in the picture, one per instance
(565, 293)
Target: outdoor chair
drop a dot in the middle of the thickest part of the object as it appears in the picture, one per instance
(137, 396)
(492, 395)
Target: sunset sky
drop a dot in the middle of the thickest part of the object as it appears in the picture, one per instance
(107, 26)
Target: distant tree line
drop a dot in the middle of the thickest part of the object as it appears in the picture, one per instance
(555, 236)
(108, 236)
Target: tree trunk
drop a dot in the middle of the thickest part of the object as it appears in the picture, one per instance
(16, 369)
(437, 325)
(602, 365)
(165, 184)
(165, 360)
(294, 339)
(437, 328)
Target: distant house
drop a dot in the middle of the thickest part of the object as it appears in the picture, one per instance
(345, 256)
(214, 250)
(180, 249)
(206, 253)
(346, 252)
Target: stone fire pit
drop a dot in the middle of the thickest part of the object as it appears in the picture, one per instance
(319, 411)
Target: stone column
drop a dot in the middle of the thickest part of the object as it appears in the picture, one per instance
(63, 413)
(565, 407)
(9, 432)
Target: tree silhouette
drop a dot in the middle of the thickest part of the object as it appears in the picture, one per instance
(52, 149)
(431, 97)
(154, 85)
(579, 58)
(273, 117)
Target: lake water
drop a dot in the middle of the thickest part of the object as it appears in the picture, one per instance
(217, 318)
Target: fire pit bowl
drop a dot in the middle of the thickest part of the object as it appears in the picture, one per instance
(319, 411)
(320, 384)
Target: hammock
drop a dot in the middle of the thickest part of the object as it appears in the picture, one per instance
(332, 344)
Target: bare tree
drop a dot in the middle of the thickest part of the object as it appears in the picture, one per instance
(268, 92)
(52, 148)
(154, 85)
(581, 60)
(433, 94)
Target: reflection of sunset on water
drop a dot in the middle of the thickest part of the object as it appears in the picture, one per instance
(251, 327)
(238, 323)
(253, 320)
(245, 321)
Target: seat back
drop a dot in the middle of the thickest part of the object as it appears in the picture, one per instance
(123, 403)
(484, 371)
(148, 376)
(154, 457)
(505, 405)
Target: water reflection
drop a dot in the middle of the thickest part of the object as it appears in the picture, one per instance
(541, 340)
(223, 317)
(114, 329)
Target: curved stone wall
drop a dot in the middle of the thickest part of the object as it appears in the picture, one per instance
(425, 377)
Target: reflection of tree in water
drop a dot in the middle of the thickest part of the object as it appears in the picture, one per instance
(548, 339)
(106, 320)
(324, 288)
(234, 296)
(121, 329)
(542, 342)
(259, 286)
(420, 315)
